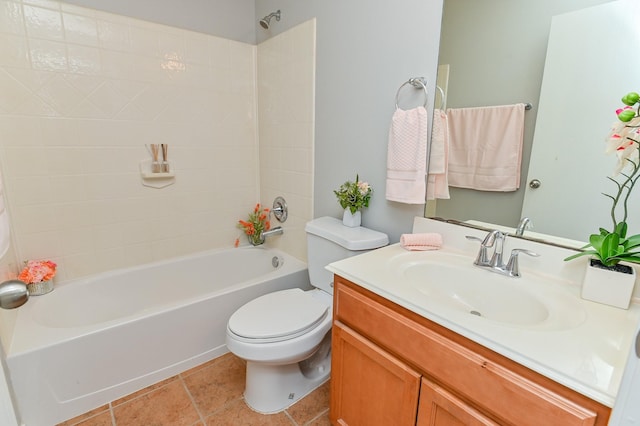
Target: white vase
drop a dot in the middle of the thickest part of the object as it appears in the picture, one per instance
(608, 286)
(351, 219)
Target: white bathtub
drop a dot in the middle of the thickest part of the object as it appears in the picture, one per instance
(95, 340)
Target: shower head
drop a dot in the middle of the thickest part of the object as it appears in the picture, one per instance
(264, 22)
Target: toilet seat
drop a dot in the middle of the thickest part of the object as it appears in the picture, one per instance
(277, 316)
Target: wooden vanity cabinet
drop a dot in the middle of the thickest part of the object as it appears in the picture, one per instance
(391, 366)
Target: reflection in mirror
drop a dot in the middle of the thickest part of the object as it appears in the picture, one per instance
(573, 161)
(496, 52)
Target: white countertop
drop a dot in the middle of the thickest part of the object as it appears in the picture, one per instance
(589, 356)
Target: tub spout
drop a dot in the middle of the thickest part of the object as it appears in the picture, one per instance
(13, 293)
(275, 231)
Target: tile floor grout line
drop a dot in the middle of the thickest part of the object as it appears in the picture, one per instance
(192, 399)
(112, 414)
(322, 413)
(290, 417)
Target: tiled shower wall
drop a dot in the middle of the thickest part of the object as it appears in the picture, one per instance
(286, 82)
(83, 92)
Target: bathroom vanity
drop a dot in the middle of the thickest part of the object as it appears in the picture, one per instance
(403, 355)
(390, 365)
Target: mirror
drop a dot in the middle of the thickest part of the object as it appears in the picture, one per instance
(496, 51)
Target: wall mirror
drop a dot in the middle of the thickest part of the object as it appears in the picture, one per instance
(566, 58)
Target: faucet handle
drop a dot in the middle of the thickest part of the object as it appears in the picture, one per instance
(512, 265)
(483, 258)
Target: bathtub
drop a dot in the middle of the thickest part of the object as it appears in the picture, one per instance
(97, 339)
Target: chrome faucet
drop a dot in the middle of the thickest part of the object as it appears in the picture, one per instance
(495, 239)
(489, 240)
(273, 231)
(525, 223)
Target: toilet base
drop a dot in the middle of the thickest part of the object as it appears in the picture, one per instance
(272, 388)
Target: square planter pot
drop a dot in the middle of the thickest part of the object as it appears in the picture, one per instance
(609, 286)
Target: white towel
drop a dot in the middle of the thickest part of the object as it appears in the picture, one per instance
(485, 147)
(407, 156)
(437, 181)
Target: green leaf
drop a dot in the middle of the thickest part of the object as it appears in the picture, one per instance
(628, 258)
(606, 246)
(632, 241)
(596, 241)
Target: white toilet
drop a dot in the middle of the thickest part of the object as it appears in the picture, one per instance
(285, 336)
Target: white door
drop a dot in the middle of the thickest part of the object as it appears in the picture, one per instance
(590, 65)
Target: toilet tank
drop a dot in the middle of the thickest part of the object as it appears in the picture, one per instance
(328, 240)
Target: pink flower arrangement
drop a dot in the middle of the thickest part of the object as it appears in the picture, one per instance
(36, 271)
(258, 221)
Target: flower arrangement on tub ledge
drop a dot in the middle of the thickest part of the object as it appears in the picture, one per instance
(353, 197)
(38, 275)
(255, 225)
(608, 248)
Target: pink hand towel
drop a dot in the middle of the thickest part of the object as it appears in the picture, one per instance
(407, 156)
(437, 180)
(421, 242)
(485, 147)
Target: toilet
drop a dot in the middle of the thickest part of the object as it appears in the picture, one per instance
(285, 336)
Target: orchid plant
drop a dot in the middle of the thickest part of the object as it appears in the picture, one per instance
(354, 195)
(611, 247)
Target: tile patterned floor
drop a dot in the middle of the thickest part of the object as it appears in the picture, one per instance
(209, 394)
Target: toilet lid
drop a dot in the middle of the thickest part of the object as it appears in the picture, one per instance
(278, 316)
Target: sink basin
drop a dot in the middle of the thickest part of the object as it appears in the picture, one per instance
(447, 281)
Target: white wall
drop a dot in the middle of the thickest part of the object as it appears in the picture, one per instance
(365, 51)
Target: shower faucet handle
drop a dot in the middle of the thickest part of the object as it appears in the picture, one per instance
(280, 209)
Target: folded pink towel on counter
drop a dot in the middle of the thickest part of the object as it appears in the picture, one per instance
(425, 241)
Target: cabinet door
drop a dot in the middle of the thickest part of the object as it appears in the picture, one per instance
(439, 407)
(370, 387)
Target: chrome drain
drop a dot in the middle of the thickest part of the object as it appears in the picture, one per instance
(476, 313)
(276, 261)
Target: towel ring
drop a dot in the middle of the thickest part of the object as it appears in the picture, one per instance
(415, 82)
(443, 103)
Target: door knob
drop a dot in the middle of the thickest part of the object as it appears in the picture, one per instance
(534, 184)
